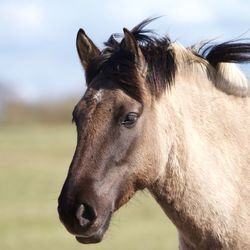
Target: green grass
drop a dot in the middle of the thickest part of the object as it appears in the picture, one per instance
(34, 160)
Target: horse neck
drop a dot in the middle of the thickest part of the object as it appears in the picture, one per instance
(196, 190)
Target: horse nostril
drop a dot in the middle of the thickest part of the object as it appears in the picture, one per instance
(85, 214)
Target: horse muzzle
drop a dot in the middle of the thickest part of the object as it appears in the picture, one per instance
(83, 220)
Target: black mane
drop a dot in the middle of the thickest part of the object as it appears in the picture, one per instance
(234, 51)
(160, 58)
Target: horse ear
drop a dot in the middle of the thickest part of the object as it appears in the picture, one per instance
(130, 44)
(86, 48)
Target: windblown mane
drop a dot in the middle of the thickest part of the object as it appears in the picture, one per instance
(160, 55)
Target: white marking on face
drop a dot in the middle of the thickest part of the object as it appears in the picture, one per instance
(98, 96)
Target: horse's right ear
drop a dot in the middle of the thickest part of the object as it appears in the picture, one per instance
(86, 48)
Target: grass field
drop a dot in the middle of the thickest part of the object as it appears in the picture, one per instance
(34, 160)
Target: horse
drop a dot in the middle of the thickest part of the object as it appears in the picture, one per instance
(169, 119)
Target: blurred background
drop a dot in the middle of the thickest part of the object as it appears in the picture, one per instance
(40, 81)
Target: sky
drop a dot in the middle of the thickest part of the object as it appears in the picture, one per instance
(38, 57)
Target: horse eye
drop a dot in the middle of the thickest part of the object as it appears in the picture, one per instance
(130, 120)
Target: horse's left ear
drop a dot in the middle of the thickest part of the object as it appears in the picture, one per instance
(130, 44)
(86, 48)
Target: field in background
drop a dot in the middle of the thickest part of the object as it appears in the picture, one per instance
(34, 160)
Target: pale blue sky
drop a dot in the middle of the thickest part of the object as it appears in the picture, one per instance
(37, 46)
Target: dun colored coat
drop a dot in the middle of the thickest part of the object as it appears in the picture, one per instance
(170, 119)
